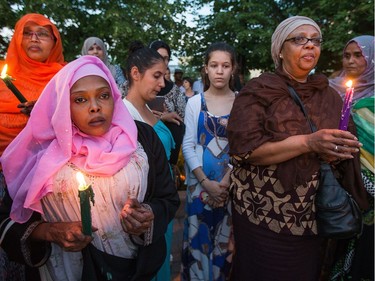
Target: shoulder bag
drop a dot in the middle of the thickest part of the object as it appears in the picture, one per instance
(337, 214)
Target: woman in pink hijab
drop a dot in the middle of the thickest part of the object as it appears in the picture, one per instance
(81, 124)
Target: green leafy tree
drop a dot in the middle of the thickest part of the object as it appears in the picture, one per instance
(244, 25)
(7, 17)
(340, 21)
(248, 26)
(116, 22)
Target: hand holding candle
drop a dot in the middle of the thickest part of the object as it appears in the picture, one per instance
(345, 112)
(86, 194)
(8, 81)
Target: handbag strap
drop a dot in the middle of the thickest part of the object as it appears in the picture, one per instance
(298, 101)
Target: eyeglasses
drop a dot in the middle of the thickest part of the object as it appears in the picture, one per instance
(300, 40)
(40, 35)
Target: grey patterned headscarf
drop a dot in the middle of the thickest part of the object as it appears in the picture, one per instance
(283, 30)
(364, 84)
(91, 41)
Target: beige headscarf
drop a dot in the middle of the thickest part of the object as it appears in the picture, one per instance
(283, 30)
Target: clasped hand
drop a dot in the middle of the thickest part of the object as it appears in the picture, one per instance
(135, 218)
(217, 191)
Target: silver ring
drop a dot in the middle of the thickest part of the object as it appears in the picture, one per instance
(336, 148)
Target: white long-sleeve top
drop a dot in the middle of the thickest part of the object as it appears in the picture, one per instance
(191, 150)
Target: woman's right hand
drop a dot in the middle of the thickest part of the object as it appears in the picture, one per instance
(333, 145)
(68, 235)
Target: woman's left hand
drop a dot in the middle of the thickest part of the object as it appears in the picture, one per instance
(166, 116)
(27, 107)
(157, 114)
(135, 218)
(334, 145)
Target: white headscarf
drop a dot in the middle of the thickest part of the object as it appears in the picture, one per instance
(95, 41)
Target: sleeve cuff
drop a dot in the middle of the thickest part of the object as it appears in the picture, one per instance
(36, 253)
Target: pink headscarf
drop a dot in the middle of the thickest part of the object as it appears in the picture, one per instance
(50, 140)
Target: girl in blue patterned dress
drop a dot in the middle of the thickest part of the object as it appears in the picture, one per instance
(207, 247)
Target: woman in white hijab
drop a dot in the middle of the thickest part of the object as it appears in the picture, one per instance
(95, 46)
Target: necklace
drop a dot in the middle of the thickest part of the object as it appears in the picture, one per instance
(212, 119)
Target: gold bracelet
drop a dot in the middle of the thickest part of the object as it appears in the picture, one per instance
(202, 180)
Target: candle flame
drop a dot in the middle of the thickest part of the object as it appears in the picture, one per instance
(349, 84)
(81, 181)
(4, 71)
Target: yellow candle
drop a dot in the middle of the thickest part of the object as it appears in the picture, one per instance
(8, 81)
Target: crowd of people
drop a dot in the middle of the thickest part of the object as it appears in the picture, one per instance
(251, 161)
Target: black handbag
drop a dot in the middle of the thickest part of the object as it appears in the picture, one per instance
(337, 214)
(100, 266)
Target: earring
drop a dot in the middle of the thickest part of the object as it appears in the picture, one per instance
(281, 56)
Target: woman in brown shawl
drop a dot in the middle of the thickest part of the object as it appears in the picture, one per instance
(276, 160)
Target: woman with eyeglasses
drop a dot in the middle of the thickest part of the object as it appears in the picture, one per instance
(34, 56)
(276, 160)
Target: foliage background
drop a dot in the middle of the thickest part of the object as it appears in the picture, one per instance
(247, 25)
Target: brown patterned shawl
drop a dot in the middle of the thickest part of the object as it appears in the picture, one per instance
(265, 112)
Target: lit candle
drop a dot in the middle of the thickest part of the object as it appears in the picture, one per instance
(85, 194)
(8, 81)
(345, 112)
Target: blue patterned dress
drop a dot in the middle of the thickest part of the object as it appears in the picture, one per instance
(207, 250)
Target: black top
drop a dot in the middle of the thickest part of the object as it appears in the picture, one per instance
(167, 88)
